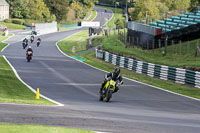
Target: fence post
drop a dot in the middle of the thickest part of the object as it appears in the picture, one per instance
(188, 47)
(153, 45)
(129, 41)
(165, 52)
(180, 46)
(173, 46)
(159, 45)
(197, 49)
(137, 42)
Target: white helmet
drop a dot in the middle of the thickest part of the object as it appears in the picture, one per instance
(29, 46)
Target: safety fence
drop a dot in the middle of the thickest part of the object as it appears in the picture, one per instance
(178, 75)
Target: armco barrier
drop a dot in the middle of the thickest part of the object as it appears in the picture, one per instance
(177, 75)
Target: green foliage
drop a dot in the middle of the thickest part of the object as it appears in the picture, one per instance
(18, 8)
(194, 4)
(48, 10)
(8, 20)
(145, 8)
(82, 7)
(119, 24)
(59, 8)
(162, 7)
(180, 4)
(15, 21)
(38, 10)
(18, 21)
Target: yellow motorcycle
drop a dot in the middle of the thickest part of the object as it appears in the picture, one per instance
(107, 91)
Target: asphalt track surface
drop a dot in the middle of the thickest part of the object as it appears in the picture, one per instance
(137, 108)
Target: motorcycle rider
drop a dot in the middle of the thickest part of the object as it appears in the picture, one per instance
(29, 49)
(38, 42)
(32, 38)
(25, 40)
(114, 76)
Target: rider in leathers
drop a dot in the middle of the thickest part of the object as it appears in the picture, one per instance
(114, 76)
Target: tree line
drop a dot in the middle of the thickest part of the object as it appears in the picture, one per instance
(49, 10)
(147, 8)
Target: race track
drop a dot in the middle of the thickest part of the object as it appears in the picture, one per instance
(137, 108)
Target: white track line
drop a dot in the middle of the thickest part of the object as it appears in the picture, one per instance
(16, 74)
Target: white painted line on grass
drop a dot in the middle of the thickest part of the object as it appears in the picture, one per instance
(34, 91)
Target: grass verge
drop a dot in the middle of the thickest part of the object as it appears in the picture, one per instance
(2, 38)
(2, 45)
(78, 41)
(19, 128)
(155, 57)
(12, 26)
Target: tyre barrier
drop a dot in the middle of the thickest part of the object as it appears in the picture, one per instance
(178, 75)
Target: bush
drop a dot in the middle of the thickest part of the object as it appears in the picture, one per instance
(8, 20)
(15, 21)
(119, 24)
(18, 21)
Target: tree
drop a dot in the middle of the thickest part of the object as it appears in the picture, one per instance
(180, 4)
(38, 10)
(145, 8)
(18, 8)
(59, 8)
(194, 4)
(119, 24)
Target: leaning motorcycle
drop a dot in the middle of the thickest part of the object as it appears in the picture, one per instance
(38, 43)
(24, 45)
(107, 91)
(29, 56)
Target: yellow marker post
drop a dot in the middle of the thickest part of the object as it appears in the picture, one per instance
(38, 94)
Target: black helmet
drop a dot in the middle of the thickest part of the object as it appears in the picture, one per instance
(117, 70)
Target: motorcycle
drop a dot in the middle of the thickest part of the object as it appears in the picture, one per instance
(24, 45)
(38, 43)
(32, 39)
(29, 56)
(107, 91)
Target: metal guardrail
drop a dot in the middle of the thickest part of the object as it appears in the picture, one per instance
(178, 75)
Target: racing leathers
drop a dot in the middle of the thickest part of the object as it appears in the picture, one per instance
(114, 76)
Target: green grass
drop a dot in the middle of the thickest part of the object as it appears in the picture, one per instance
(2, 38)
(171, 59)
(2, 45)
(19, 128)
(77, 40)
(117, 15)
(11, 89)
(12, 26)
